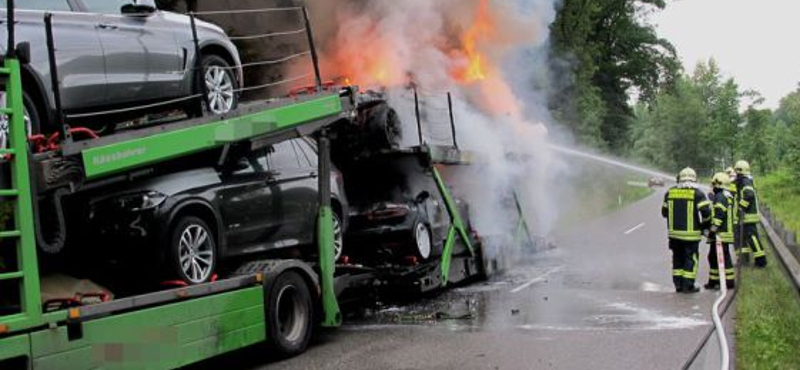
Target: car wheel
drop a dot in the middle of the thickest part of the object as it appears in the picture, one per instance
(384, 127)
(290, 315)
(192, 255)
(338, 238)
(422, 240)
(220, 84)
(32, 123)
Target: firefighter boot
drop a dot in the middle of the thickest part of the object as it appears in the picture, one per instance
(689, 287)
(678, 281)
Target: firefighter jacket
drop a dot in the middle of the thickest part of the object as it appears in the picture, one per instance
(722, 215)
(747, 200)
(735, 193)
(687, 210)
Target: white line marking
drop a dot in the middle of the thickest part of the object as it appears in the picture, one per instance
(537, 279)
(637, 227)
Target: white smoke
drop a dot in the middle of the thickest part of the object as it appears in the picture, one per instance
(394, 43)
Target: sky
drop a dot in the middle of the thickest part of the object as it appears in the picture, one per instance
(753, 41)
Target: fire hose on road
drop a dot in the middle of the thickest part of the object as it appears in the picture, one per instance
(723, 292)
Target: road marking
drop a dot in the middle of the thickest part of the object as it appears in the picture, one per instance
(537, 279)
(637, 227)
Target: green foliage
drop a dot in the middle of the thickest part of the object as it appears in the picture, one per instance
(767, 318)
(609, 52)
(688, 125)
(781, 191)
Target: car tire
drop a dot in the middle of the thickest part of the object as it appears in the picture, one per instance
(192, 256)
(384, 127)
(338, 240)
(221, 82)
(338, 237)
(422, 240)
(290, 315)
(32, 121)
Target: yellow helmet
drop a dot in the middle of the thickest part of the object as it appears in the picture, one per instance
(742, 168)
(721, 180)
(687, 175)
(731, 172)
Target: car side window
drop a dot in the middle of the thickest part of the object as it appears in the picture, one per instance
(56, 5)
(285, 157)
(105, 6)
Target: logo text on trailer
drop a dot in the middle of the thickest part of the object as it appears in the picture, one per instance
(117, 156)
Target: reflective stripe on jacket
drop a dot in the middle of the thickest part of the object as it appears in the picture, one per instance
(747, 200)
(722, 215)
(686, 209)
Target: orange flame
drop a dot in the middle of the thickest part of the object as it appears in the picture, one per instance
(482, 28)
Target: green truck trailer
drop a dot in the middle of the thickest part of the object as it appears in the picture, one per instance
(274, 301)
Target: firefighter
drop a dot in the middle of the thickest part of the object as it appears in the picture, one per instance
(748, 214)
(686, 209)
(737, 240)
(722, 226)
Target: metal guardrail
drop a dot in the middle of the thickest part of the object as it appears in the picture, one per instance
(785, 244)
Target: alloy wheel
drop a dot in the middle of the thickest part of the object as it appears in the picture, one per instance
(196, 253)
(338, 238)
(220, 87)
(5, 123)
(423, 239)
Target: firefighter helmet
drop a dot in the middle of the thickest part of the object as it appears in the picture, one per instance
(687, 175)
(742, 168)
(721, 180)
(731, 172)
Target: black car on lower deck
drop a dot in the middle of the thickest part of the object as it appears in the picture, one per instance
(397, 212)
(260, 200)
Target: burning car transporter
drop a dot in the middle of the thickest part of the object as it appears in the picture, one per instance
(256, 299)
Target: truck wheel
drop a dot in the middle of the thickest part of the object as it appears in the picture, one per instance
(290, 315)
(192, 253)
(421, 239)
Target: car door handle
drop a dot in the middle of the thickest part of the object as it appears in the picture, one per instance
(107, 26)
(312, 174)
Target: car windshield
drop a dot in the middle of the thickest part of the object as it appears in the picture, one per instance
(385, 179)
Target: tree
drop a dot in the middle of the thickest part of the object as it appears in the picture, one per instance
(603, 43)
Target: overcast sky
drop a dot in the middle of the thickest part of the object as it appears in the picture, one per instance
(755, 41)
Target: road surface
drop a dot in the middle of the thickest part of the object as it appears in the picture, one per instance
(601, 299)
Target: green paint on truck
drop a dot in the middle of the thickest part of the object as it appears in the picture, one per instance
(114, 158)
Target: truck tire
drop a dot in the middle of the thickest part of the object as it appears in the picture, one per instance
(290, 315)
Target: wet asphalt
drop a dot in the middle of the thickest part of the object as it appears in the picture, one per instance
(602, 298)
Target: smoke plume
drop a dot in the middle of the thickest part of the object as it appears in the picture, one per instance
(487, 54)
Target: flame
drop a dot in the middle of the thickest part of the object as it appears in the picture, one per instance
(482, 29)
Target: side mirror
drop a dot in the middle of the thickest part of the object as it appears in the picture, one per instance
(140, 8)
(422, 196)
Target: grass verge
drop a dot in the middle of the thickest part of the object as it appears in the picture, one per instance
(779, 190)
(767, 319)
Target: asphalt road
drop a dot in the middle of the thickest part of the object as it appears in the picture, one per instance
(601, 299)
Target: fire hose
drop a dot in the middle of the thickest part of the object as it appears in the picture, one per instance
(723, 292)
